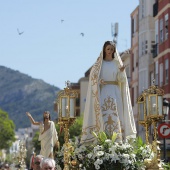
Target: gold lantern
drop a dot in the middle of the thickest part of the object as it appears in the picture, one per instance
(150, 112)
(66, 104)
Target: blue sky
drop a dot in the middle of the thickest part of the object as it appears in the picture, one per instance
(55, 51)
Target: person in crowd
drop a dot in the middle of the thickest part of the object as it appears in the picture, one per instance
(48, 134)
(6, 166)
(48, 164)
(108, 105)
(36, 162)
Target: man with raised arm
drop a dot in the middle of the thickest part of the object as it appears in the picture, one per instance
(48, 134)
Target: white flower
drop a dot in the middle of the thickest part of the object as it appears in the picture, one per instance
(100, 153)
(107, 156)
(77, 150)
(82, 148)
(133, 155)
(110, 152)
(89, 155)
(108, 141)
(113, 149)
(74, 157)
(97, 148)
(98, 162)
(114, 157)
(80, 156)
(97, 167)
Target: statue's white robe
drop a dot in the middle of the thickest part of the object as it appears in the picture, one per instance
(48, 140)
(108, 107)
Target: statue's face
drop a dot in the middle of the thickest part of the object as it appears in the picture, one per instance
(46, 115)
(109, 50)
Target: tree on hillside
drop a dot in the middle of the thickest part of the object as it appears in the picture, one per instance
(7, 130)
(36, 143)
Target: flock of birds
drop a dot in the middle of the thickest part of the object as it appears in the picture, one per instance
(21, 32)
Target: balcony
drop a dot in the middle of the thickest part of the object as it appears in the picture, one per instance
(154, 50)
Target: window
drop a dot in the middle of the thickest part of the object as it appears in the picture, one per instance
(132, 62)
(156, 72)
(156, 38)
(156, 31)
(133, 26)
(166, 26)
(143, 48)
(153, 48)
(146, 47)
(166, 71)
(132, 96)
(151, 78)
(161, 75)
(136, 58)
(142, 8)
(161, 30)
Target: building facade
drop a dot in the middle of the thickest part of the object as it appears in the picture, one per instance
(161, 12)
(162, 45)
(146, 42)
(134, 60)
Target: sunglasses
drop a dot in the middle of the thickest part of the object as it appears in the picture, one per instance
(37, 163)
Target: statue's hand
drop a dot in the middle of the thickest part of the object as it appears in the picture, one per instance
(28, 114)
(57, 145)
(122, 68)
(102, 82)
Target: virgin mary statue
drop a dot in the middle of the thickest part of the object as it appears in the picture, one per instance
(108, 105)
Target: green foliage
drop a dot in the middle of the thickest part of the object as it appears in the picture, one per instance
(21, 93)
(36, 143)
(166, 166)
(74, 131)
(7, 133)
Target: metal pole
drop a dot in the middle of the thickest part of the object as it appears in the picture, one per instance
(164, 143)
(167, 104)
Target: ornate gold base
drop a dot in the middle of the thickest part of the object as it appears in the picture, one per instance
(153, 164)
(154, 167)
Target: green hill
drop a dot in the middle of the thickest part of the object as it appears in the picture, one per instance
(20, 93)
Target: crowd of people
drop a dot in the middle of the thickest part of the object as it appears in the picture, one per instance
(38, 162)
(42, 163)
(4, 166)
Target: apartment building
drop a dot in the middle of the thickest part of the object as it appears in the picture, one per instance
(146, 41)
(134, 60)
(162, 45)
(161, 10)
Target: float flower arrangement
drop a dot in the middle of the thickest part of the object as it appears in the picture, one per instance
(107, 154)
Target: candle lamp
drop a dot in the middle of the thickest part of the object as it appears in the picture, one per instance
(20, 156)
(150, 112)
(66, 104)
